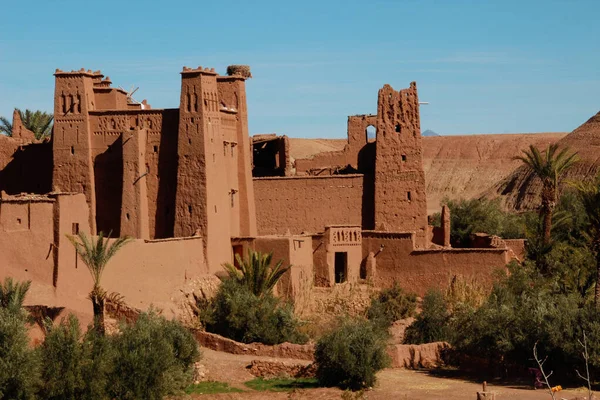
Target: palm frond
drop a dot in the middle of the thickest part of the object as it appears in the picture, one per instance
(12, 293)
(5, 126)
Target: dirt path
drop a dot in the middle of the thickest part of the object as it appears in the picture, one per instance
(392, 384)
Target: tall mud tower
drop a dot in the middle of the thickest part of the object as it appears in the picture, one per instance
(215, 196)
(400, 198)
(73, 169)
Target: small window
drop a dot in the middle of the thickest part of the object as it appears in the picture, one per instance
(190, 141)
(75, 228)
(18, 221)
(403, 157)
(190, 208)
(155, 149)
(398, 128)
(72, 150)
(408, 196)
(127, 216)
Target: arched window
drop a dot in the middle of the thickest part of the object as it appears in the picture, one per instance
(371, 133)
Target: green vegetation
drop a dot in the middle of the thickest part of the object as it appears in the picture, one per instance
(351, 355)
(549, 168)
(256, 273)
(481, 215)
(431, 325)
(211, 387)
(96, 255)
(39, 122)
(391, 305)
(281, 384)
(236, 313)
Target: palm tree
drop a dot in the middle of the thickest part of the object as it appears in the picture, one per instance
(96, 255)
(5, 126)
(38, 122)
(12, 294)
(589, 193)
(549, 167)
(255, 272)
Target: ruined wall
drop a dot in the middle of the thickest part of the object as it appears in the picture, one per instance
(308, 204)
(25, 167)
(400, 198)
(419, 270)
(356, 153)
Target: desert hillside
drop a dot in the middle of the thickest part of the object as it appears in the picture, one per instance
(521, 192)
(455, 166)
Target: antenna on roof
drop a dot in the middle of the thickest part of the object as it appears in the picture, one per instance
(424, 103)
(130, 93)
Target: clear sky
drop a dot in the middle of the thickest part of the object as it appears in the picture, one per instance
(490, 66)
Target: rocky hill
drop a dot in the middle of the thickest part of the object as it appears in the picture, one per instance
(455, 166)
(521, 191)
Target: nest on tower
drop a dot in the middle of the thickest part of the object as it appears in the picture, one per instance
(240, 70)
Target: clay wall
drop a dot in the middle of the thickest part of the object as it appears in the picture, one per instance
(297, 252)
(419, 270)
(344, 240)
(308, 204)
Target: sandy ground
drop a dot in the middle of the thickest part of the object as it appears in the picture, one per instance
(392, 384)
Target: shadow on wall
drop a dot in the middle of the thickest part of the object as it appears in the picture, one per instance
(366, 166)
(167, 179)
(108, 172)
(29, 171)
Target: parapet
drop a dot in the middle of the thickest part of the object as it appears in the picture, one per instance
(199, 70)
(81, 72)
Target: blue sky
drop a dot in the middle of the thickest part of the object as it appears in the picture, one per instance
(485, 66)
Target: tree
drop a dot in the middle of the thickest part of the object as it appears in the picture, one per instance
(38, 122)
(12, 294)
(5, 126)
(256, 273)
(589, 193)
(549, 167)
(96, 255)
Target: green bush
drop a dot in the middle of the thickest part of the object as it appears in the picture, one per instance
(238, 314)
(391, 305)
(481, 215)
(351, 355)
(19, 365)
(431, 325)
(155, 358)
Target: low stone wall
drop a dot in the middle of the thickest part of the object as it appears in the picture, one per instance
(276, 369)
(284, 350)
(419, 356)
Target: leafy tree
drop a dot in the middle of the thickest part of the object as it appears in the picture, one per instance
(391, 305)
(549, 167)
(589, 193)
(39, 122)
(237, 313)
(431, 325)
(481, 215)
(256, 272)
(5, 126)
(351, 355)
(12, 294)
(96, 254)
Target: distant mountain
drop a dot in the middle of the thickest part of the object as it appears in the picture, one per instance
(429, 132)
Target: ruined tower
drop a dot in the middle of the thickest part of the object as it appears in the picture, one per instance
(73, 169)
(400, 199)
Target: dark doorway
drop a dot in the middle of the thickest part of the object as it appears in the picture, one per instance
(341, 267)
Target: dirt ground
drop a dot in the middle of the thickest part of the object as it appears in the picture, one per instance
(392, 384)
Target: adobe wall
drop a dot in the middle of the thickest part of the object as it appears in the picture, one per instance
(419, 270)
(308, 204)
(296, 251)
(339, 239)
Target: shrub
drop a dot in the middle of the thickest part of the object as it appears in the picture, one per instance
(431, 325)
(19, 365)
(236, 313)
(155, 357)
(351, 355)
(391, 305)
